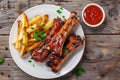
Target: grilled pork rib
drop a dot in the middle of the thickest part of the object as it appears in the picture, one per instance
(56, 42)
(56, 61)
(36, 54)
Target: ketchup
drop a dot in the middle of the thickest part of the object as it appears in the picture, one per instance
(93, 15)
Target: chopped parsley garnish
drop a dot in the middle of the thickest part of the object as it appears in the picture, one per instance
(59, 11)
(39, 35)
(33, 65)
(58, 17)
(79, 71)
(27, 33)
(43, 25)
(23, 44)
(63, 17)
(25, 52)
(42, 31)
(32, 28)
(2, 60)
(29, 61)
(43, 35)
(66, 51)
(61, 8)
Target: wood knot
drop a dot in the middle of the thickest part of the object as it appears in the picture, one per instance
(6, 48)
(1, 0)
(61, 0)
(2, 73)
(8, 75)
(102, 75)
(113, 11)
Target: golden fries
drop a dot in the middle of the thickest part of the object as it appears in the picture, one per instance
(35, 45)
(18, 42)
(32, 39)
(31, 43)
(25, 40)
(32, 28)
(48, 25)
(25, 20)
(35, 20)
(14, 42)
(44, 20)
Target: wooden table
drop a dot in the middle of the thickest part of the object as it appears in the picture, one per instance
(101, 58)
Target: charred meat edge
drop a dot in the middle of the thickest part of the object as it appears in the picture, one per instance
(58, 23)
(57, 42)
(56, 61)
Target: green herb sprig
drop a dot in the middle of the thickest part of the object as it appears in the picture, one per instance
(79, 71)
(32, 28)
(60, 11)
(25, 52)
(2, 60)
(39, 35)
(33, 65)
(23, 44)
(66, 51)
(43, 25)
(29, 61)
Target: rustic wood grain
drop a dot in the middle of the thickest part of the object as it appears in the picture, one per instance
(104, 70)
(104, 46)
(111, 24)
(100, 49)
(9, 12)
(101, 59)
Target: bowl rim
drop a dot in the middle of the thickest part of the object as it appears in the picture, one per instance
(96, 25)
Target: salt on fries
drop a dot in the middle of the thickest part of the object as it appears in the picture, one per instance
(25, 40)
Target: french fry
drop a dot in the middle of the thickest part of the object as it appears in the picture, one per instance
(24, 42)
(19, 27)
(21, 34)
(35, 45)
(44, 20)
(14, 43)
(48, 25)
(31, 35)
(30, 40)
(25, 20)
(38, 28)
(25, 24)
(32, 28)
(31, 43)
(35, 20)
(18, 42)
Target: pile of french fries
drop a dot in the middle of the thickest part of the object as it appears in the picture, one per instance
(25, 40)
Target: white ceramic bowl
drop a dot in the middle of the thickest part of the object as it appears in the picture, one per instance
(96, 25)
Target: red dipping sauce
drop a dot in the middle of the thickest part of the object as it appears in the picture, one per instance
(93, 15)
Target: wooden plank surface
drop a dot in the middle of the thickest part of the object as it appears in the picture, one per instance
(101, 59)
(8, 14)
(101, 51)
(102, 70)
